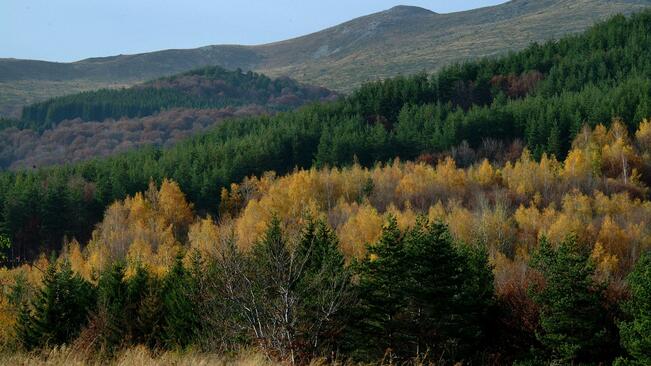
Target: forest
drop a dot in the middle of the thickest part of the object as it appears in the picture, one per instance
(77, 140)
(541, 96)
(528, 262)
(205, 88)
(493, 213)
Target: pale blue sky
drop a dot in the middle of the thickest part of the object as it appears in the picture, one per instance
(68, 30)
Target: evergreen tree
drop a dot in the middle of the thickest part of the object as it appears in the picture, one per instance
(112, 301)
(137, 289)
(554, 142)
(378, 326)
(477, 298)
(435, 278)
(635, 331)
(26, 333)
(150, 318)
(324, 289)
(420, 296)
(181, 323)
(21, 291)
(60, 309)
(450, 293)
(572, 318)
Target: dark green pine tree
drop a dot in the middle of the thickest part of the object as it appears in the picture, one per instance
(150, 315)
(21, 291)
(18, 297)
(573, 321)
(450, 293)
(273, 257)
(434, 279)
(319, 249)
(181, 322)
(478, 303)
(112, 301)
(635, 331)
(377, 326)
(554, 146)
(137, 290)
(60, 309)
(324, 288)
(26, 333)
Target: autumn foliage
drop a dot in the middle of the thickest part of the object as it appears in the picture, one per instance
(596, 195)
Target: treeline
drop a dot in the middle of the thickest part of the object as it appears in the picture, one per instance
(542, 95)
(207, 88)
(6, 123)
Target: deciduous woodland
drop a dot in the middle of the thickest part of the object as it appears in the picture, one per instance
(495, 213)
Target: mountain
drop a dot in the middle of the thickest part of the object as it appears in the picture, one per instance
(401, 40)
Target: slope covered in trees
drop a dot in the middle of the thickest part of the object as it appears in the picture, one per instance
(533, 262)
(211, 87)
(542, 95)
(78, 140)
(161, 113)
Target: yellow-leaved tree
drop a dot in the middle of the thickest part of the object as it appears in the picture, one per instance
(146, 229)
(362, 226)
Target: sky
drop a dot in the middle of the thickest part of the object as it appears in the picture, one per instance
(70, 30)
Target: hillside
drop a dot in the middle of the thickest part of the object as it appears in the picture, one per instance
(481, 225)
(160, 112)
(541, 97)
(496, 212)
(209, 87)
(409, 39)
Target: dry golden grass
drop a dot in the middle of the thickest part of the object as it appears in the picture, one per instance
(139, 356)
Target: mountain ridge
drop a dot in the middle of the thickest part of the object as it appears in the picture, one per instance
(400, 40)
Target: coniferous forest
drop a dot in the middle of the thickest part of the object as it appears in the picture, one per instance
(494, 213)
(209, 87)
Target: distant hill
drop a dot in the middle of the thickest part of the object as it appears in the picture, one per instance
(208, 87)
(160, 113)
(401, 40)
